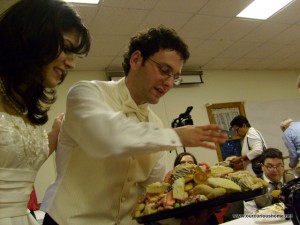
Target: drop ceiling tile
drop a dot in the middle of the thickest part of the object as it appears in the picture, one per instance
(219, 63)
(265, 32)
(211, 48)
(203, 26)
(108, 45)
(133, 4)
(87, 13)
(288, 15)
(190, 6)
(289, 35)
(287, 63)
(238, 49)
(235, 29)
(117, 21)
(243, 64)
(116, 64)
(283, 52)
(224, 8)
(196, 61)
(93, 63)
(260, 64)
(156, 18)
(264, 50)
(193, 43)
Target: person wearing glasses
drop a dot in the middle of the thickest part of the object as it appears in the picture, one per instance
(38, 42)
(185, 158)
(182, 158)
(112, 145)
(189, 158)
(253, 143)
(272, 164)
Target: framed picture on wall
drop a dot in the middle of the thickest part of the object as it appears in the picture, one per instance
(222, 114)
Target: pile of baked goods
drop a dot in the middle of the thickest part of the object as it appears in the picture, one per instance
(189, 184)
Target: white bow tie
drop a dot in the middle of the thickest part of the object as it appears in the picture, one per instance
(129, 106)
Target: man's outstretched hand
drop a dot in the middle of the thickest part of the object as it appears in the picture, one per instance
(201, 136)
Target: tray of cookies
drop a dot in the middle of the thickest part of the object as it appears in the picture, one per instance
(190, 190)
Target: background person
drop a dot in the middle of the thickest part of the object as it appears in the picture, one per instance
(252, 141)
(189, 158)
(291, 139)
(183, 158)
(38, 41)
(111, 142)
(273, 173)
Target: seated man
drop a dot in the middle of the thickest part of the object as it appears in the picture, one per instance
(273, 172)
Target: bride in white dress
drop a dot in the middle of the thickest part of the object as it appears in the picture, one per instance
(38, 42)
(23, 149)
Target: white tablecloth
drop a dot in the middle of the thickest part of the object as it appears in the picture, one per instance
(250, 221)
(39, 216)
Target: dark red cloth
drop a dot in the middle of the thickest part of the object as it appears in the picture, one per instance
(33, 203)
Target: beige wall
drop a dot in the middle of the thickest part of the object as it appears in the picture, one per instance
(219, 86)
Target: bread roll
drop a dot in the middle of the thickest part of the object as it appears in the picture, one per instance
(200, 177)
(157, 187)
(188, 186)
(216, 192)
(224, 183)
(201, 189)
(220, 171)
(178, 189)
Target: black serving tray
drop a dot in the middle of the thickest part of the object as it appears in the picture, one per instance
(195, 208)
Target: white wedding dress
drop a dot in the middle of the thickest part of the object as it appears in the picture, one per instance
(23, 149)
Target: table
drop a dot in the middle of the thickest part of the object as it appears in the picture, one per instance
(250, 221)
(39, 216)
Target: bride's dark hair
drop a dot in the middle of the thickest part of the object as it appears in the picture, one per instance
(31, 36)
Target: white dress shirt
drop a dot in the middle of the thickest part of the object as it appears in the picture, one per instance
(104, 160)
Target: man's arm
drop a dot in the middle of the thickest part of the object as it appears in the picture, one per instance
(288, 141)
(53, 134)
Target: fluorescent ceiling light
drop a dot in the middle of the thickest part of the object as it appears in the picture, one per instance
(263, 9)
(84, 1)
